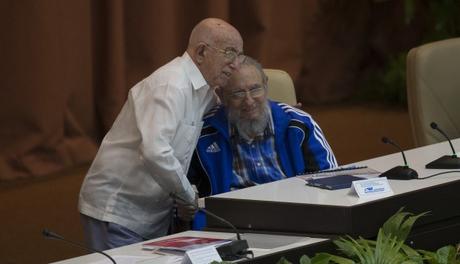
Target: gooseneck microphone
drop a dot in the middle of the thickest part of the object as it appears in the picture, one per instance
(399, 172)
(233, 250)
(444, 162)
(51, 235)
(223, 221)
(434, 126)
(230, 251)
(388, 141)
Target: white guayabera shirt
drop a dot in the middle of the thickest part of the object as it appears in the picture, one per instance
(146, 154)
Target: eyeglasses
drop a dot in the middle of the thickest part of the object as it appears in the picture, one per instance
(254, 93)
(229, 54)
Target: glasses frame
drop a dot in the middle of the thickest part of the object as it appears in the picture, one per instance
(241, 95)
(229, 54)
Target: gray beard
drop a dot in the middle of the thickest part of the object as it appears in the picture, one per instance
(248, 129)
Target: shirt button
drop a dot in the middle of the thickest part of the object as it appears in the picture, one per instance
(258, 164)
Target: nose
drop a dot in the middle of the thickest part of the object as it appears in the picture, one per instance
(236, 62)
(234, 65)
(248, 100)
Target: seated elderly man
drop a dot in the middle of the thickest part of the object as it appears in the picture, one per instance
(250, 140)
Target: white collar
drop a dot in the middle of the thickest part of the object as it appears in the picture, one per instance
(193, 72)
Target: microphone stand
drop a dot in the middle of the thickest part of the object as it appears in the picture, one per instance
(230, 251)
(447, 161)
(51, 235)
(399, 172)
(234, 249)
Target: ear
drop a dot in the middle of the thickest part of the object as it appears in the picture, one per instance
(200, 51)
(265, 80)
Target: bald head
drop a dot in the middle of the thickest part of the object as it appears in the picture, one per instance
(212, 31)
(216, 48)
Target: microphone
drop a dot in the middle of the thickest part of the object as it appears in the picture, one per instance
(230, 251)
(51, 235)
(444, 162)
(233, 250)
(399, 172)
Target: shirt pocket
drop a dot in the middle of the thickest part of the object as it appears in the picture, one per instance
(185, 139)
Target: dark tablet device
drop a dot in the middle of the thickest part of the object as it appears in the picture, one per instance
(334, 182)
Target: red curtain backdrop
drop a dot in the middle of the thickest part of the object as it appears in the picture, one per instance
(67, 65)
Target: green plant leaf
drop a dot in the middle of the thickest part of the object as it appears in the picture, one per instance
(341, 260)
(351, 248)
(388, 248)
(446, 254)
(400, 224)
(283, 260)
(429, 256)
(326, 258)
(321, 258)
(412, 253)
(305, 260)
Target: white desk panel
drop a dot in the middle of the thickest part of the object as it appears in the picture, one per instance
(136, 249)
(257, 242)
(294, 190)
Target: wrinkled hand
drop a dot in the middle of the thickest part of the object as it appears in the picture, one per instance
(186, 212)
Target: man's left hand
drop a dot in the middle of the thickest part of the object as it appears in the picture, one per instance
(185, 212)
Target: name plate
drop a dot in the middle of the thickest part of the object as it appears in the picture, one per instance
(374, 187)
(204, 255)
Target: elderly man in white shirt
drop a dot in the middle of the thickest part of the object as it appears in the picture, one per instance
(144, 158)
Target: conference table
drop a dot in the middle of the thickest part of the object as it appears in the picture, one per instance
(267, 248)
(289, 206)
(289, 218)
